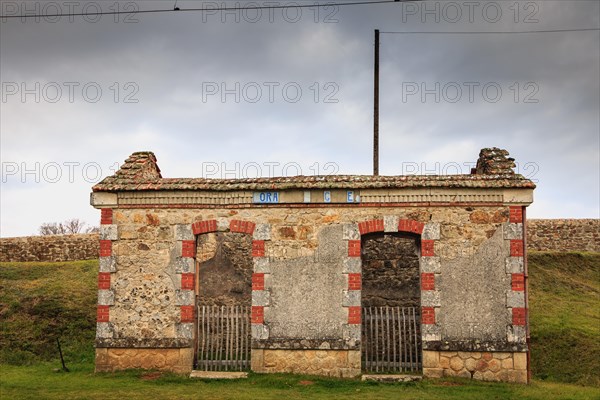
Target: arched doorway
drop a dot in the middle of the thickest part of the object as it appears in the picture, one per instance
(223, 298)
(391, 298)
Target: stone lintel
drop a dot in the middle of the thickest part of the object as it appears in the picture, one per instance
(103, 199)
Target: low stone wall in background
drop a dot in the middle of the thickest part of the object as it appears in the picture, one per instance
(50, 248)
(542, 235)
(563, 234)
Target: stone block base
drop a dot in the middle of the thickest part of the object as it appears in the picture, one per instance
(174, 360)
(336, 363)
(485, 366)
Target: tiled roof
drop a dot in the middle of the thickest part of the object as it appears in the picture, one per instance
(141, 173)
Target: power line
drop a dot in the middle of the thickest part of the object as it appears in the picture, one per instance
(178, 9)
(486, 32)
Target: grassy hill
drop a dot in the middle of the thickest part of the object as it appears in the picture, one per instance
(42, 301)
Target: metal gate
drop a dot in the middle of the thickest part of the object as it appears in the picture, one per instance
(391, 339)
(224, 338)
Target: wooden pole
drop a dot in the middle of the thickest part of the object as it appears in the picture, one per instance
(376, 107)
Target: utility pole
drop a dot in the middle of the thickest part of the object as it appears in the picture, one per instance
(376, 107)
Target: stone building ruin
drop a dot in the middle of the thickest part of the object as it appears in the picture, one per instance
(329, 275)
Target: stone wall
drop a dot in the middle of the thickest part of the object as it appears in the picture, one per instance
(563, 234)
(49, 248)
(486, 366)
(542, 234)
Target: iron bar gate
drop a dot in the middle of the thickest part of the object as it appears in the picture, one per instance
(391, 339)
(224, 338)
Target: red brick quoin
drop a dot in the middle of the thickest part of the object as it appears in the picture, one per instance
(427, 247)
(427, 281)
(258, 248)
(519, 316)
(354, 315)
(258, 281)
(518, 282)
(104, 280)
(516, 248)
(106, 216)
(516, 214)
(188, 248)
(187, 313)
(354, 282)
(187, 281)
(353, 248)
(102, 314)
(105, 248)
(258, 315)
(428, 315)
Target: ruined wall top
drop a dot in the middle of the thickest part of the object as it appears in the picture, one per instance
(140, 172)
(494, 161)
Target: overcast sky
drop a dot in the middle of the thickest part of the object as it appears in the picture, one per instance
(290, 91)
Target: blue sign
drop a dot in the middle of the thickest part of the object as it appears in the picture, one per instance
(327, 196)
(265, 197)
(350, 196)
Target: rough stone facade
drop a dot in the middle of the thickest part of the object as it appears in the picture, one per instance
(307, 239)
(51, 248)
(563, 234)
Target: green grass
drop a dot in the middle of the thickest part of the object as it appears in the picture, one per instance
(564, 300)
(40, 382)
(42, 301)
